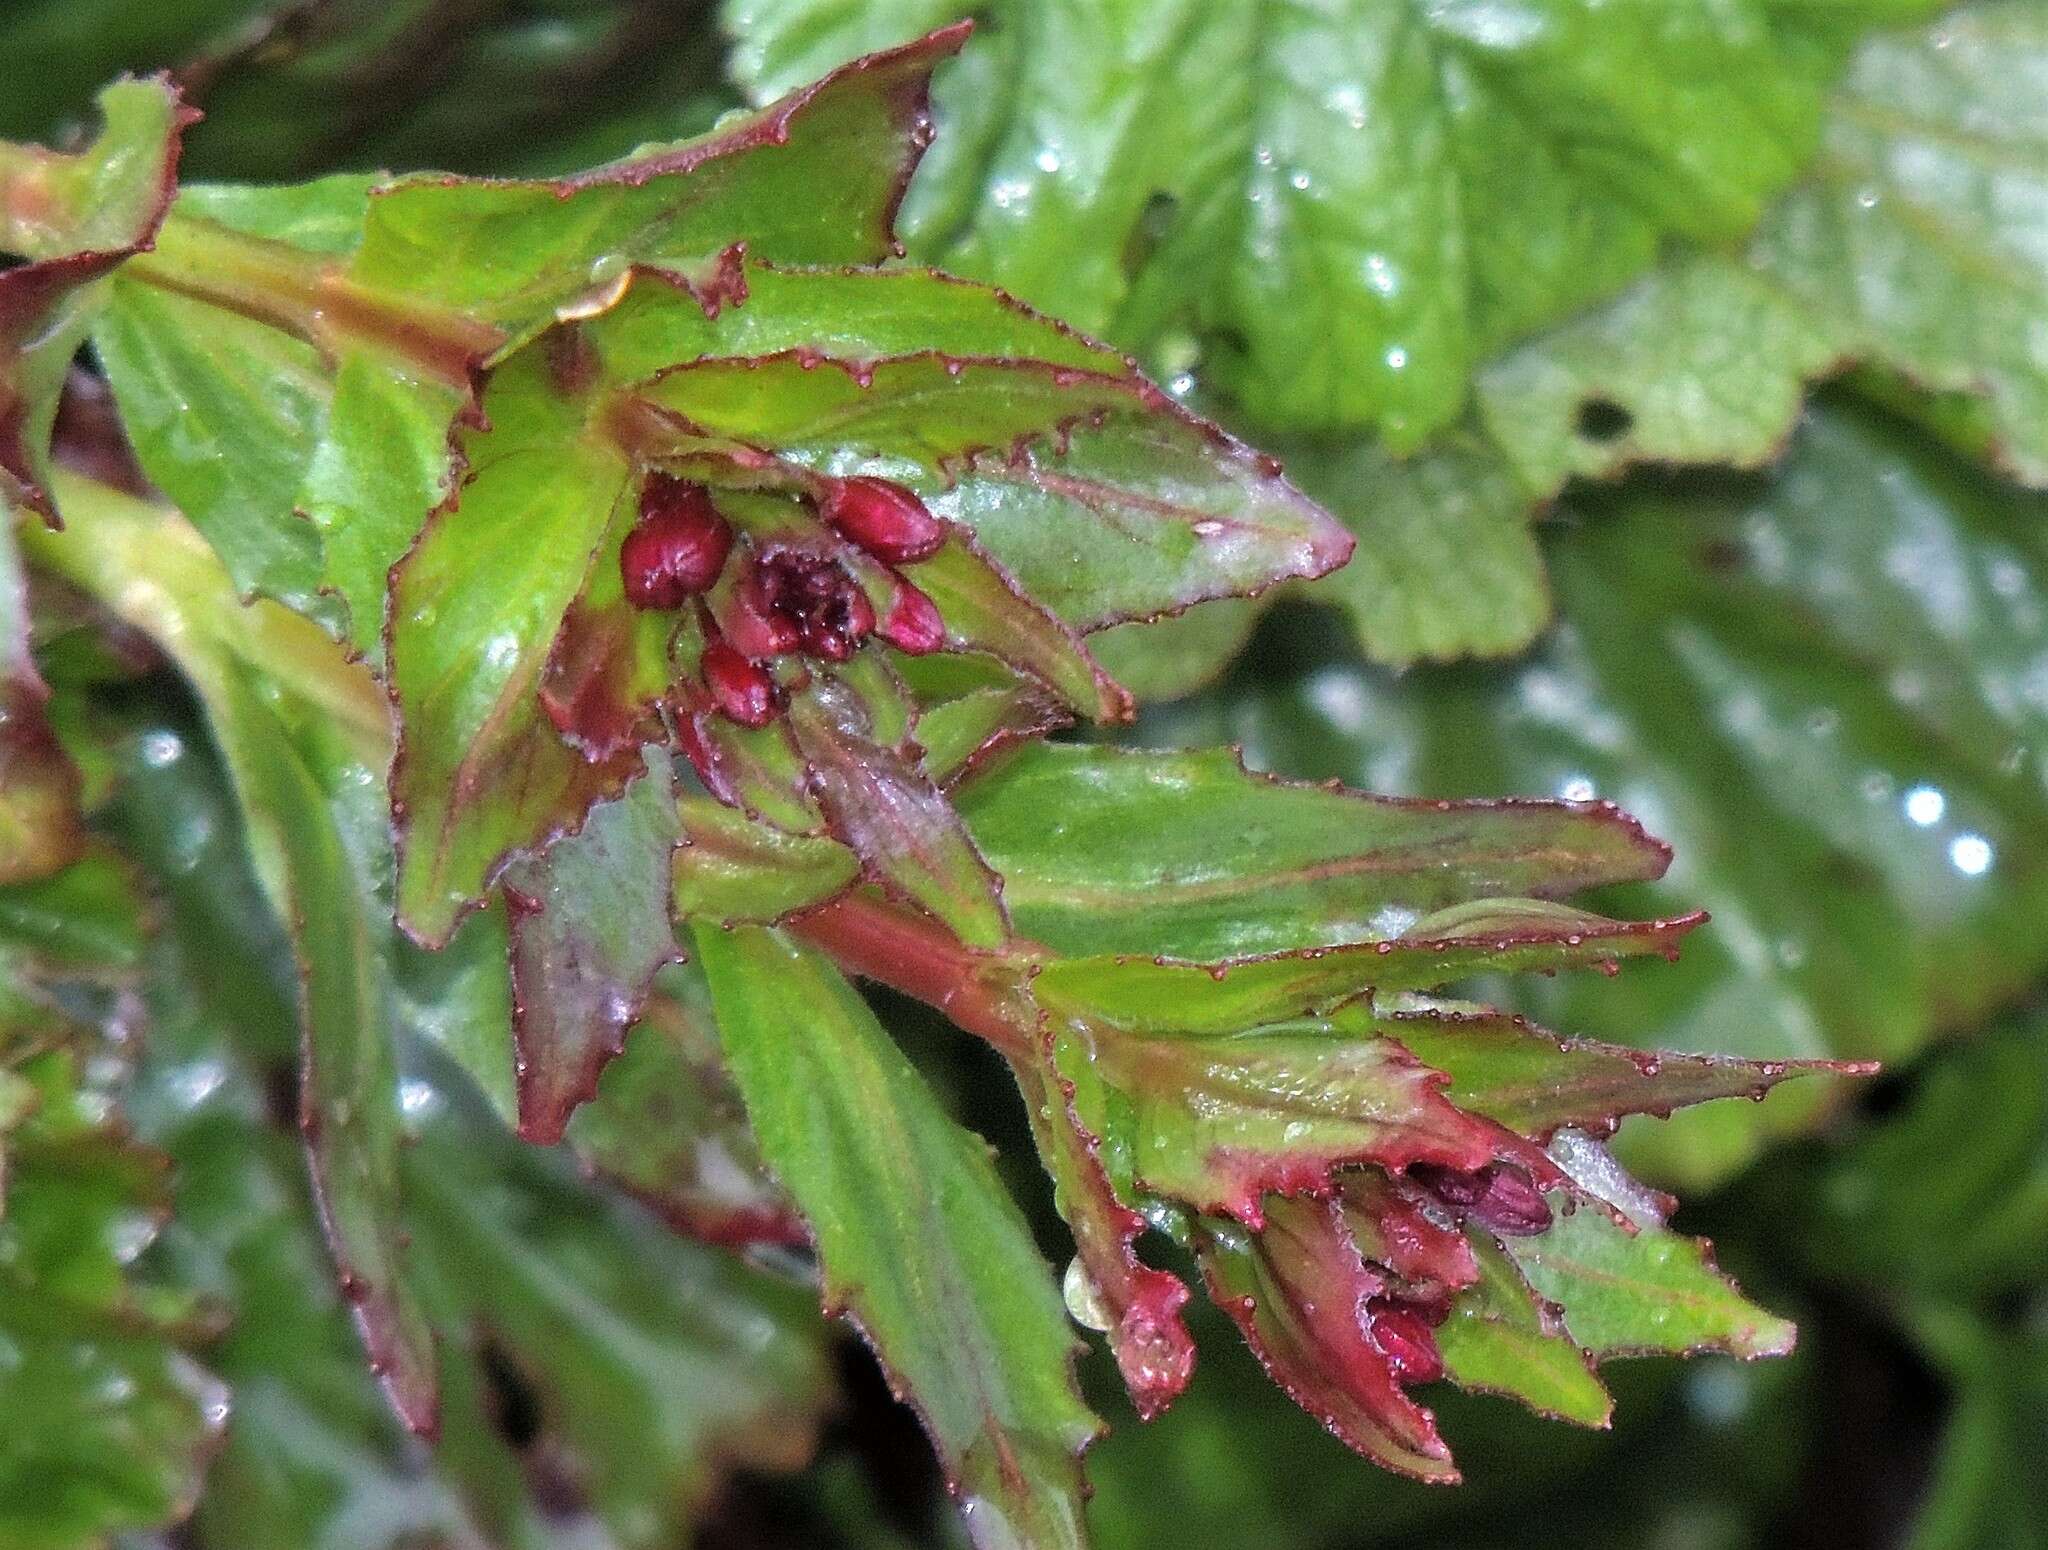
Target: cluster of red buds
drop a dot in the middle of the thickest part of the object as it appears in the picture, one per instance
(788, 599)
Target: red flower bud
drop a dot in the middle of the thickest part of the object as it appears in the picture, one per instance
(742, 690)
(679, 547)
(913, 624)
(1404, 1338)
(885, 519)
(1497, 1197)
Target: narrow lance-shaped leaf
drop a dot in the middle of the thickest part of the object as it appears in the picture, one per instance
(1501, 1338)
(917, 1239)
(1505, 935)
(1536, 1083)
(156, 574)
(1192, 856)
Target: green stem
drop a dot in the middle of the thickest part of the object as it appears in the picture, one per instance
(311, 297)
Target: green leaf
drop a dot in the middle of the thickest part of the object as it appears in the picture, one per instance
(476, 605)
(109, 1422)
(1161, 995)
(224, 413)
(1365, 200)
(1502, 1339)
(1707, 357)
(1627, 1291)
(733, 870)
(814, 179)
(589, 927)
(917, 1238)
(1535, 1083)
(154, 572)
(1824, 732)
(1190, 855)
(651, 1365)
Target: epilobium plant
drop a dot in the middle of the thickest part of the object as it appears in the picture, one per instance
(638, 600)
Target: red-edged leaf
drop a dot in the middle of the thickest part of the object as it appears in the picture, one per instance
(1162, 994)
(73, 218)
(1108, 1287)
(1535, 1082)
(1219, 1122)
(1300, 1292)
(1189, 855)
(589, 928)
(736, 871)
(815, 178)
(481, 773)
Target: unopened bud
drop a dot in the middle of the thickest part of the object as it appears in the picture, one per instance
(913, 624)
(678, 548)
(885, 519)
(740, 688)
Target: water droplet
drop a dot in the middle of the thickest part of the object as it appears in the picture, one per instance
(161, 748)
(1970, 854)
(1577, 789)
(1397, 358)
(1924, 806)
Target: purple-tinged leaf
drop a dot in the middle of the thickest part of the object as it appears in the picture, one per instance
(482, 774)
(1164, 995)
(1300, 1292)
(589, 928)
(1193, 856)
(918, 1242)
(668, 1125)
(1501, 1338)
(813, 179)
(612, 666)
(1536, 1082)
(909, 839)
(733, 870)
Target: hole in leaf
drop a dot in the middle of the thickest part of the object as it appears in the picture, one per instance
(1603, 420)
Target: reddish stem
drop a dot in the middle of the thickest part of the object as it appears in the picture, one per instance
(983, 992)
